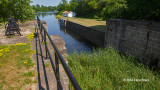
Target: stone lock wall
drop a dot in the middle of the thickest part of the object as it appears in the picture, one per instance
(95, 36)
(141, 39)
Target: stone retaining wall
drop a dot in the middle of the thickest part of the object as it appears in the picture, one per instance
(141, 39)
(95, 36)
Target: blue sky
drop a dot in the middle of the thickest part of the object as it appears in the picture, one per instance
(46, 2)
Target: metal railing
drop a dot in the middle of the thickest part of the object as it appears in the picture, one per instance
(58, 57)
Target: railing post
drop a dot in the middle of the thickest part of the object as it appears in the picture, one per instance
(57, 70)
(45, 42)
(41, 32)
(39, 80)
(57, 58)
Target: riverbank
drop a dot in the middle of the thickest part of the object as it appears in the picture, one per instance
(93, 23)
(107, 69)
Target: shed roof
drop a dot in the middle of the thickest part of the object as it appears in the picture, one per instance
(67, 11)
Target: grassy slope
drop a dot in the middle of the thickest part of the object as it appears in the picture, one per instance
(106, 69)
(15, 66)
(97, 24)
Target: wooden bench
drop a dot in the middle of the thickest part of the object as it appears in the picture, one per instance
(13, 26)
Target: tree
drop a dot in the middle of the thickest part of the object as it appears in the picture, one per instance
(103, 9)
(73, 5)
(4, 12)
(144, 9)
(62, 5)
(19, 9)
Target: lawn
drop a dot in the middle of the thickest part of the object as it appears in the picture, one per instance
(94, 23)
(16, 66)
(106, 69)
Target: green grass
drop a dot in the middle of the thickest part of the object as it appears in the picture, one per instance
(93, 23)
(106, 69)
(35, 81)
(27, 81)
(15, 65)
(43, 43)
(29, 74)
(11, 36)
(1, 85)
(47, 65)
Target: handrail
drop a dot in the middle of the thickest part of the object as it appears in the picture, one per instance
(58, 57)
(38, 71)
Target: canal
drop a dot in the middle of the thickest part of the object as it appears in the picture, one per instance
(73, 42)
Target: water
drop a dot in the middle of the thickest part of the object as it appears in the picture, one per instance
(73, 42)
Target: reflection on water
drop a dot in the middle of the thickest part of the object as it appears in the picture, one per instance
(73, 42)
(43, 14)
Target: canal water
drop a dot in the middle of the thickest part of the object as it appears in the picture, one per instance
(73, 42)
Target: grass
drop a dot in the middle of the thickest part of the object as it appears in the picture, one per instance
(1, 85)
(12, 36)
(106, 69)
(47, 65)
(43, 43)
(93, 23)
(29, 74)
(2, 25)
(15, 65)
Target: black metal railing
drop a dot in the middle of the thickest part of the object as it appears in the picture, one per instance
(58, 57)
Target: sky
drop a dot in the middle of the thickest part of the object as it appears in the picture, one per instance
(46, 2)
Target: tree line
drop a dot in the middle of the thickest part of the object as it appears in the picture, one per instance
(42, 8)
(99, 9)
(103, 9)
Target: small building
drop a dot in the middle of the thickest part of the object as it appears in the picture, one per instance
(69, 14)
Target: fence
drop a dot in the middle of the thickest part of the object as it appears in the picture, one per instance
(58, 57)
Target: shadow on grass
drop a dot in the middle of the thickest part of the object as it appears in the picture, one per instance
(99, 27)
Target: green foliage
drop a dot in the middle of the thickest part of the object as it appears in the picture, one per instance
(1, 85)
(60, 13)
(62, 5)
(1, 20)
(114, 9)
(73, 5)
(106, 69)
(29, 74)
(19, 9)
(27, 81)
(47, 65)
(35, 81)
(42, 8)
(126, 9)
(144, 9)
